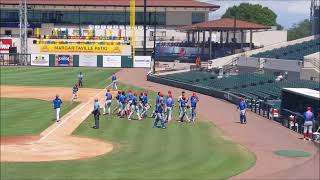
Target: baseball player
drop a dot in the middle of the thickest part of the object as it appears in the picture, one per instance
(118, 103)
(57, 102)
(114, 81)
(165, 103)
(169, 106)
(193, 103)
(140, 102)
(308, 123)
(145, 105)
(122, 100)
(108, 103)
(179, 101)
(155, 107)
(242, 106)
(96, 113)
(134, 107)
(184, 106)
(75, 90)
(129, 101)
(159, 115)
(80, 79)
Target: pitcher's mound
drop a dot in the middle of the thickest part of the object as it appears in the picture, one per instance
(52, 149)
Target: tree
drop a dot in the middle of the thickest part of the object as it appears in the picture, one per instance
(253, 13)
(300, 30)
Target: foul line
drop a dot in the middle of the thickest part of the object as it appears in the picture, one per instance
(66, 119)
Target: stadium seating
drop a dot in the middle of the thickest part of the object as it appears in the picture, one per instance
(251, 85)
(292, 52)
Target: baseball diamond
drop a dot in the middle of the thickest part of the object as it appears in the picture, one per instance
(199, 150)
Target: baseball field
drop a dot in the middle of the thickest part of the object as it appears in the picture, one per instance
(120, 149)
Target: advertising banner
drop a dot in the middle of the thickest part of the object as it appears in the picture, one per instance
(63, 60)
(39, 59)
(142, 61)
(81, 48)
(88, 60)
(111, 61)
(5, 44)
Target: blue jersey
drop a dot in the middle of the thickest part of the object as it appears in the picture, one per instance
(141, 98)
(74, 88)
(183, 103)
(57, 103)
(113, 77)
(159, 108)
(158, 99)
(169, 102)
(308, 116)
(122, 99)
(118, 96)
(130, 96)
(108, 96)
(134, 101)
(145, 100)
(242, 105)
(193, 101)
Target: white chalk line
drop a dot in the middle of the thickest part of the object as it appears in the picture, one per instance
(69, 117)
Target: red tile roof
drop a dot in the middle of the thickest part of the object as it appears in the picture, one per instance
(224, 24)
(123, 3)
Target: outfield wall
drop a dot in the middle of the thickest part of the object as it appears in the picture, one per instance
(88, 60)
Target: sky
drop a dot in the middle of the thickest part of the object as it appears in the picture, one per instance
(289, 11)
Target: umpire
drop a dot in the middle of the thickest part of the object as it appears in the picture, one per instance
(96, 113)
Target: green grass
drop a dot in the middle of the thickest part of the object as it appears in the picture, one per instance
(182, 151)
(28, 116)
(54, 76)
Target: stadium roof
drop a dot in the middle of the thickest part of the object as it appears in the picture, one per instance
(224, 24)
(123, 3)
(304, 92)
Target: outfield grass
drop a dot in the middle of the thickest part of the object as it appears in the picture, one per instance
(182, 151)
(28, 116)
(54, 76)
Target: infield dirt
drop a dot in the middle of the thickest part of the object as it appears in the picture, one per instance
(54, 143)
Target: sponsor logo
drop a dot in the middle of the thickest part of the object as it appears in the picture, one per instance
(5, 44)
(64, 60)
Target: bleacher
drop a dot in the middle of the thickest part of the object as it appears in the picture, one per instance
(251, 85)
(292, 52)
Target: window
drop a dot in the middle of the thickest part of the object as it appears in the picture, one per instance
(8, 32)
(85, 17)
(198, 17)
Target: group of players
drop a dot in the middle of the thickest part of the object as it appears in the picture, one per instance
(134, 103)
(128, 104)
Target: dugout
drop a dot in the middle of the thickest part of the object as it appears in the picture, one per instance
(296, 100)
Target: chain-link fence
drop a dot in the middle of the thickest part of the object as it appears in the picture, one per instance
(15, 59)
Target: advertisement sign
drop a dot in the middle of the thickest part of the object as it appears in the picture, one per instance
(111, 61)
(39, 59)
(81, 48)
(142, 61)
(88, 60)
(5, 44)
(63, 60)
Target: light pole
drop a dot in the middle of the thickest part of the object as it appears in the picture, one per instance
(145, 28)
